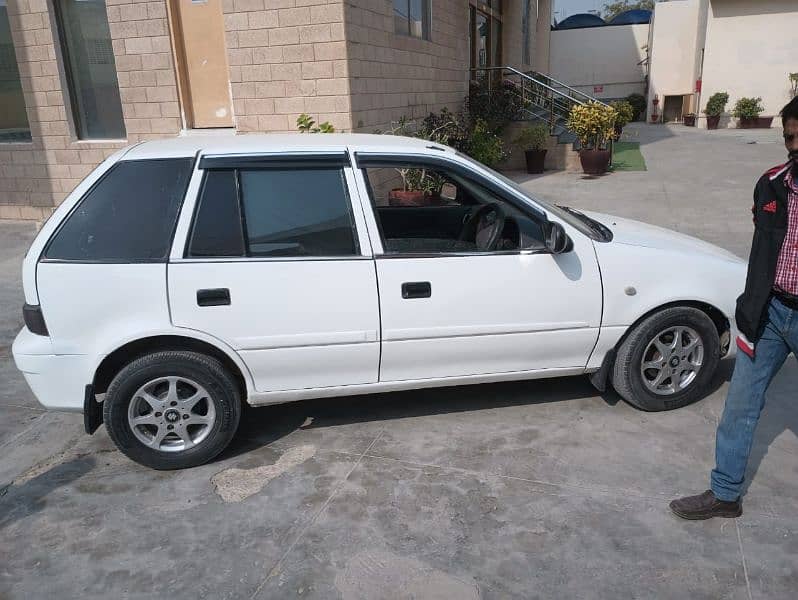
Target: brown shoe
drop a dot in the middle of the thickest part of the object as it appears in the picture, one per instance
(705, 506)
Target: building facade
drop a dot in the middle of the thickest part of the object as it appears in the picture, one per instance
(80, 79)
(746, 48)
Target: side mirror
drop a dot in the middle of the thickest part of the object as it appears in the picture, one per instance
(557, 241)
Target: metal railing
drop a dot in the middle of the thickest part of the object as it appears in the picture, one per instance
(542, 97)
(548, 79)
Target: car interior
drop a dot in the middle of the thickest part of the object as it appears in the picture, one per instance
(452, 215)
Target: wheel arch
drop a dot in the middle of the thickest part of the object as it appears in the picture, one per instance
(600, 378)
(113, 362)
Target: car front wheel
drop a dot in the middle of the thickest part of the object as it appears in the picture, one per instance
(172, 410)
(668, 360)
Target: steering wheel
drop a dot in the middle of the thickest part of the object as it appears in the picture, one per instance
(484, 226)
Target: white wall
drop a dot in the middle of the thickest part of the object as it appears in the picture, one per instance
(607, 56)
(751, 46)
(674, 33)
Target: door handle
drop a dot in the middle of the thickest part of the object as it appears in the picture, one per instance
(213, 297)
(416, 289)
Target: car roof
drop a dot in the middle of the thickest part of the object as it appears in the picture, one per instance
(211, 144)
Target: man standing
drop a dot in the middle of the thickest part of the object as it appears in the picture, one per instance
(767, 317)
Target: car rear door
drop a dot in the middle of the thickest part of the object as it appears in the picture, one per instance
(273, 264)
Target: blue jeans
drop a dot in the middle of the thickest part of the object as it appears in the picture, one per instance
(746, 399)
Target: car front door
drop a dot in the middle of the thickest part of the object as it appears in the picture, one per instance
(273, 265)
(452, 308)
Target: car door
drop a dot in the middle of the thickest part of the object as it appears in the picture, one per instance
(273, 265)
(455, 312)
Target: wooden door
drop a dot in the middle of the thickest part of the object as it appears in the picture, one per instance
(204, 76)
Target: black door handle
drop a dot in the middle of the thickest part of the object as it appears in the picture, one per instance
(416, 289)
(213, 297)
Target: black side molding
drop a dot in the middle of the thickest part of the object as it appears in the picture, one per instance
(92, 411)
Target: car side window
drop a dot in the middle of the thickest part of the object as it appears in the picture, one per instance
(217, 230)
(274, 212)
(423, 209)
(128, 216)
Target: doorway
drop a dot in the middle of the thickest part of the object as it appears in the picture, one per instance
(485, 34)
(673, 109)
(201, 58)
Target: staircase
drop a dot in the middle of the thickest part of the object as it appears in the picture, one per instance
(542, 98)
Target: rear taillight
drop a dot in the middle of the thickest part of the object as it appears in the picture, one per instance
(34, 319)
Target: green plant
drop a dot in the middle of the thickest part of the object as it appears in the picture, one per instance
(486, 146)
(495, 104)
(593, 123)
(306, 124)
(748, 108)
(625, 112)
(533, 137)
(716, 104)
(793, 77)
(638, 104)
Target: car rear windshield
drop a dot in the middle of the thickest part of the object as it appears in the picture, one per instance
(128, 216)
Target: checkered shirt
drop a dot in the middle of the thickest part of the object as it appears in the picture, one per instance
(787, 266)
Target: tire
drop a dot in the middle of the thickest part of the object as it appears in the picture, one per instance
(158, 390)
(653, 389)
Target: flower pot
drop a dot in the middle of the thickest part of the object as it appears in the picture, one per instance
(655, 118)
(713, 121)
(764, 122)
(747, 123)
(399, 197)
(689, 120)
(407, 198)
(535, 160)
(594, 162)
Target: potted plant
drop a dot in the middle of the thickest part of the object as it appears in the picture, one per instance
(594, 125)
(422, 187)
(624, 114)
(715, 107)
(532, 140)
(689, 119)
(654, 114)
(747, 111)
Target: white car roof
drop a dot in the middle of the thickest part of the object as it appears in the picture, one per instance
(189, 146)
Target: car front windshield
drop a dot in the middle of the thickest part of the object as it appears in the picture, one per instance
(581, 223)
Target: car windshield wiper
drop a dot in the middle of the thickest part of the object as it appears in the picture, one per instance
(602, 230)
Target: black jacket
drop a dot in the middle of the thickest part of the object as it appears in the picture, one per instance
(770, 228)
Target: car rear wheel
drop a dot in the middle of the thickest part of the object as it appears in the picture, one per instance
(172, 410)
(668, 360)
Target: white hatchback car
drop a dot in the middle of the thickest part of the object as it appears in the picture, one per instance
(184, 277)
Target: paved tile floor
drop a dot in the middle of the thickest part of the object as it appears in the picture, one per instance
(538, 489)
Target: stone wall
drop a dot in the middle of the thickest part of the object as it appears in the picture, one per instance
(36, 176)
(287, 57)
(394, 75)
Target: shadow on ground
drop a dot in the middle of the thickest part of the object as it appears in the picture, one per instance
(261, 426)
(19, 501)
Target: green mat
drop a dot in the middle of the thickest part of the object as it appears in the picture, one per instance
(626, 156)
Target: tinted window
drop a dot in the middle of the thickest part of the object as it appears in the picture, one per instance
(128, 216)
(217, 227)
(297, 212)
(13, 118)
(90, 68)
